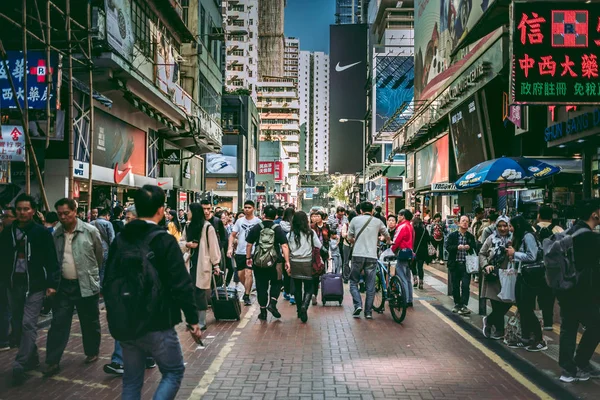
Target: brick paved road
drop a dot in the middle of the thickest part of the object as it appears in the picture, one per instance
(334, 356)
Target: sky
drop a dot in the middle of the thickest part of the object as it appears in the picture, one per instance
(309, 20)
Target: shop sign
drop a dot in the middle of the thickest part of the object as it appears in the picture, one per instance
(119, 31)
(556, 46)
(443, 187)
(165, 183)
(465, 82)
(581, 123)
(37, 72)
(410, 167)
(266, 167)
(12, 143)
(278, 171)
(221, 183)
(183, 197)
(171, 157)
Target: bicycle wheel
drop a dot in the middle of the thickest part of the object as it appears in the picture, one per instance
(397, 300)
(378, 300)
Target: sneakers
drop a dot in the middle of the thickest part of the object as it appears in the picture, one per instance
(441, 262)
(464, 310)
(286, 296)
(580, 376)
(292, 300)
(150, 363)
(303, 314)
(51, 370)
(420, 285)
(516, 344)
(246, 299)
(91, 359)
(369, 316)
(4, 348)
(537, 346)
(113, 368)
(314, 300)
(456, 309)
(357, 311)
(263, 314)
(487, 330)
(272, 308)
(548, 328)
(590, 371)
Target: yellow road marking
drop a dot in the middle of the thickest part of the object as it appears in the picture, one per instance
(75, 353)
(92, 385)
(215, 366)
(532, 387)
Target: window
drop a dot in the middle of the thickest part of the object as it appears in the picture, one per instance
(141, 14)
(251, 22)
(185, 5)
(202, 23)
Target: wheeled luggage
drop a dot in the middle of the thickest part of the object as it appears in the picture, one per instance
(225, 303)
(332, 288)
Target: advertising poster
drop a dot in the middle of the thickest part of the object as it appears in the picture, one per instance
(410, 167)
(224, 163)
(394, 91)
(556, 46)
(440, 26)
(467, 135)
(431, 163)
(117, 143)
(12, 143)
(266, 167)
(119, 32)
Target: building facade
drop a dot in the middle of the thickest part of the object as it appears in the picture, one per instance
(271, 40)
(348, 11)
(241, 45)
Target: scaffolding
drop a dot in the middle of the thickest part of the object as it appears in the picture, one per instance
(271, 40)
(57, 28)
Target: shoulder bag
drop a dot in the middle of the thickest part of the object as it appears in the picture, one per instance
(318, 267)
(358, 235)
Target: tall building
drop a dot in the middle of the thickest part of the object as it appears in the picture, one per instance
(271, 41)
(241, 45)
(290, 58)
(304, 74)
(313, 85)
(348, 12)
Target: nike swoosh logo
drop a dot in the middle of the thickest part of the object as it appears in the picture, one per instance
(339, 68)
(120, 175)
(162, 183)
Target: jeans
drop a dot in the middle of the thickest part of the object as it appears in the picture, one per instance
(461, 281)
(299, 293)
(439, 248)
(346, 265)
(337, 263)
(573, 313)
(369, 266)
(526, 295)
(496, 317)
(165, 348)
(25, 312)
(268, 285)
(67, 299)
(4, 316)
(403, 272)
(117, 355)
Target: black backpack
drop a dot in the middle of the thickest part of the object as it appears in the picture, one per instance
(545, 233)
(132, 288)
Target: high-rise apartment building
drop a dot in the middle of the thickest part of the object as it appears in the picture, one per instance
(241, 44)
(271, 40)
(348, 11)
(313, 84)
(290, 58)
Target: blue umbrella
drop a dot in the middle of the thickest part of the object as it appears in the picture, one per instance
(506, 170)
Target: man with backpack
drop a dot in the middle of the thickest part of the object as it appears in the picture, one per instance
(270, 243)
(146, 288)
(572, 265)
(545, 228)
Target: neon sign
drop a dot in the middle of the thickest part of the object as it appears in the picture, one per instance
(556, 47)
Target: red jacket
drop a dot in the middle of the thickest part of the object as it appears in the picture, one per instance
(405, 237)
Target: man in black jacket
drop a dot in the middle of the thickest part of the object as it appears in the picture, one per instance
(161, 340)
(581, 305)
(216, 223)
(460, 244)
(30, 266)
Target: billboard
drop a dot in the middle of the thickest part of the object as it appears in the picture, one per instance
(431, 163)
(410, 167)
(12, 143)
(556, 46)
(119, 31)
(440, 27)
(224, 163)
(394, 91)
(347, 97)
(467, 135)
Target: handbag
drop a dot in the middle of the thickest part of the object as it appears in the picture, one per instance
(508, 282)
(358, 235)
(512, 329)
(405, 255)
(472, 264)
(431, 250)
(318, 267)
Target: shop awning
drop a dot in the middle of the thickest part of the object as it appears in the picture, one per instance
(386, 170)
(82, 87)
(567, 165)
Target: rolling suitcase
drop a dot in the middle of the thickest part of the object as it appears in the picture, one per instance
(225, 303)
(332, 288)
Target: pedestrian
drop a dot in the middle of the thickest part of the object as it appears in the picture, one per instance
(334, 251)
(323, 232)
(477, 225)
(182, 217)
(580, 304)
(378, 214)
(492, 258)
(491, 228)
(50, 221)
(438, 231)
(154, 333)
(280, 211)
(7, 217)
(288, 282)
(203, 254)
(173, 225)
(347, 246)
(94, 212)
(80, 256)
(239, 233)
(403, 247)
(117, 219)
(107, 234)
(301, 241)
(338, 220)
(392, 224)
(216, 222)
(544, 229)
(266, 249)
(364, 235)
(225, 218)
(421, 250)
(130, 214)
(81, 214)
(28, 272)
(460, 244)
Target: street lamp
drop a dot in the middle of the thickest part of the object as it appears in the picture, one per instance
(364, 140)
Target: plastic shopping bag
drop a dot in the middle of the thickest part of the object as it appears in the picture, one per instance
(472, 264)
(508, 281)
(387, 253)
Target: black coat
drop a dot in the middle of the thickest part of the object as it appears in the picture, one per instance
(42, 265)
(171, 271)
(452, 246)
(421, 250)
(221, 232)
(587, 264)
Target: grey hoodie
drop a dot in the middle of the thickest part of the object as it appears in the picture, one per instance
(286, 226)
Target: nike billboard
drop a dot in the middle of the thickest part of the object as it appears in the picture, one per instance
(347, 97)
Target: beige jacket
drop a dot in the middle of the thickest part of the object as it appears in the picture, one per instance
(209, 254)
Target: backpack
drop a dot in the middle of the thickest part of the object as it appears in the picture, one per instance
(545, 233)
(265, 254)
(437, 232)
(559, 259)
(132, 288)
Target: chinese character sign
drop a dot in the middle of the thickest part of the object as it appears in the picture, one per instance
(278, 171)
(556, 46)
(37, 72)
(266, 168)
(12, 143)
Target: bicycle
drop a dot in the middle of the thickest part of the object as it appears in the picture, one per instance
(389, 289)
